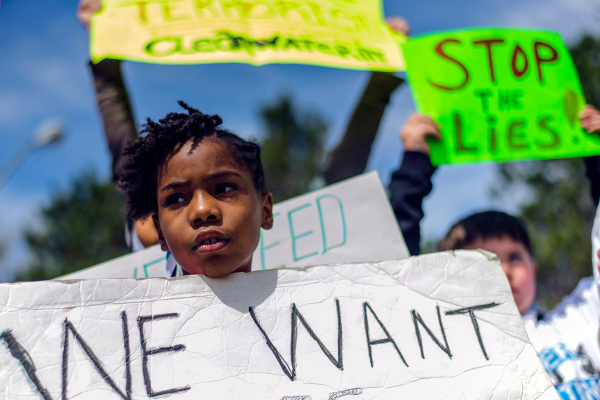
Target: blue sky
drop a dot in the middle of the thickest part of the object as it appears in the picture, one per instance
(44, 73)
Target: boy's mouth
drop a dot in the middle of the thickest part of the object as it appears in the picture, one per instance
(210, 241)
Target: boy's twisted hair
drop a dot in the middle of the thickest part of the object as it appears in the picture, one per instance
(138, 175)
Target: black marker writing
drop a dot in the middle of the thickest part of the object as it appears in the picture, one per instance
(470, 311)
(18, 352)
(146, 353)
(347, 392)
(291, 372)
(370, 342)
(68, 327)
(418, 320)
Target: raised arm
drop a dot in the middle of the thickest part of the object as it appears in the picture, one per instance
(114, 107)
(111, 95)
(412, 182)
(117, 118)
(351, 155)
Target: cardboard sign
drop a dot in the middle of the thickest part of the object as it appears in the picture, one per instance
(499, 94)
(334, 33)
(438, 326)
(350, 221)
(147, 263)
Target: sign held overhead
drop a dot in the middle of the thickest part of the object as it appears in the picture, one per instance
(499, 95)
(334, 33)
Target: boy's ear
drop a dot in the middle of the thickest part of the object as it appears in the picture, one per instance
(161, 237)
(267, 211)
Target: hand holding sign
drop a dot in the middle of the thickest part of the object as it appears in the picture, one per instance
(415, 132)
(86, 10)
(499, 95)
(590, 119)
(398, 24)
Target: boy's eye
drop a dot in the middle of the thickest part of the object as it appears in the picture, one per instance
(225, 188)
(175, 199)
(514, 257)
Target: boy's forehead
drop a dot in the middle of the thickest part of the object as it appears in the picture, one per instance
(500, 240)
(199, 158)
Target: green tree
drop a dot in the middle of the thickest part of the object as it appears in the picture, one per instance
(292, 148)
(80, 227)
(559, 211)
(586, 57)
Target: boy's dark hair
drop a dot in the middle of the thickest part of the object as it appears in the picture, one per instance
(485, 225)
(138, 175)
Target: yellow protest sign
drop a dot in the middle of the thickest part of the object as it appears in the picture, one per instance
(334, 33)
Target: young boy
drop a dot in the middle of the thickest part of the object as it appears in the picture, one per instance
(567, 337)
(204, 188)
(507, 237)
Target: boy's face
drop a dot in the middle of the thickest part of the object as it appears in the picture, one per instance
(209, 212)
(518, 266)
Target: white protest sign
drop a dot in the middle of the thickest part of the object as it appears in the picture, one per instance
(439, 326)
(148, 263)
(350, 221)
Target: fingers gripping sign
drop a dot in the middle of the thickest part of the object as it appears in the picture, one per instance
(590, 119)
(415, 132)
(399, 25)
(85, 10)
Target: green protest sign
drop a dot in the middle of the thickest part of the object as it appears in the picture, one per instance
(499, 94)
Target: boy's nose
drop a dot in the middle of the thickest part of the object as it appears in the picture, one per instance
(204, 208)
